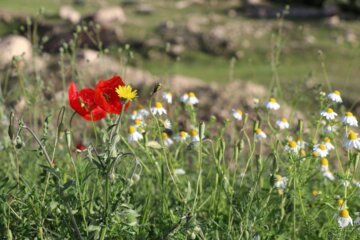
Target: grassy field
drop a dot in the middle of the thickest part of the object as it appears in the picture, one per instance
(90, 169)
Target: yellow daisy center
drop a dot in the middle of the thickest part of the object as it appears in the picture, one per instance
(284, 120)
(126, 92)
(191, 94)
(337, 92)
(315, 193)
(344, 213)
(272, 100)
(131, 130)
(193, 132)
(326, 140)
(302, 153)
(324, 162)
(322, 147)
(258, 131)
(158, 105)
(278, 178)
(349, 114)
(182, 134)
(137, 122)
(292, 144)
(340, 202)
(134, 112)
(352, 136)
(239, 112)
(164, 136)
(329, 110)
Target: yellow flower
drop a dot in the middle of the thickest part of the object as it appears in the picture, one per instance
(126, 92)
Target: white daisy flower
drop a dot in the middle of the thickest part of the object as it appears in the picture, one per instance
(166, 139)
(138, 123)
(349, 119)
(280, 182)
(324, 165)
(158, 109)
(133, 135)
(259, 134)
(292, 147)
(345, 183)
(237, 114)
(192, 99)
(167, 124)
(300, 142)
(179, 171)
(135, 115)
(329, 175)
(272, 104)
(194, 135)
(167, 96)
(321, 150)
(182, 136)
(352, 141)
(329, 129)
(184, 98)
(344, 218)
(282, 123)
(328, 144)
(142, 111)
(335, 96)
(328, 114)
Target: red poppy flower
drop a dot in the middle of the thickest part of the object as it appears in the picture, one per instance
(84, 104)
(106, 96)
(80, 147)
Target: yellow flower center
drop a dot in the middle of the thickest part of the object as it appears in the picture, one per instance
(324, 162)
(193, 132)
(337, 92)
(340, 202)
(349, 114)
(315, 193)
(131, 130)
(169, 94)
(302, 153)
(292, 144)
(352, 136)
(239, 112)
(329, 110)
(182, 134)
(272, 100)
(126, 92)
(284, 120)
(322, 147)
(164, 136)
(344, 213)
(326, 140)
(139, 107)
(315, 154)
(258, 131)
(158, 105)
(134, 112)
(278, 178)
(191, 94)
(137, 122)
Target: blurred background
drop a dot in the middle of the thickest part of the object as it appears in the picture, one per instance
(295, 45)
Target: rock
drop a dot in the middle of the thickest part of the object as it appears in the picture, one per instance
(87, 56)
(217, 41)
(183, 4)
(145, 9)
(110, 15)
(69, 14)
(12, 46)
